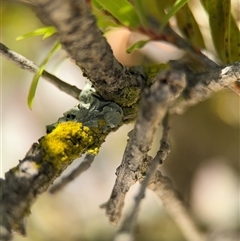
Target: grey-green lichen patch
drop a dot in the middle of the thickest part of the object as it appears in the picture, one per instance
(92, 109)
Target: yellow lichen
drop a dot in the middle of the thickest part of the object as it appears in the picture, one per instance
(67, 142)
(93, 151)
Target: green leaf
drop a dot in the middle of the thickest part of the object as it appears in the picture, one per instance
(152, 9)
(48, 34)
(104, 21)
(176, 7)
(45, 31)
(189, 27)
(36, 77)
(232, 40)
(224, 30)
(141, 12)
(96, 5)
(161, 7)
(157, 8)
(123, 11)
(136, 46)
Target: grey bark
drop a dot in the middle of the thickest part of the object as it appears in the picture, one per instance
(83, 41)
(154, 105)
(81, 38)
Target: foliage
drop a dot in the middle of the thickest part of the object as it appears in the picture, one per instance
(224, 31)
(225, 41)
(37, 76)
(46, 32)
(136, 15)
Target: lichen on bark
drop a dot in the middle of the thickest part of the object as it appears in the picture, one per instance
(67, 142)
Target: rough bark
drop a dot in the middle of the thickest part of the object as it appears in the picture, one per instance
(83, 41)
(114, 83)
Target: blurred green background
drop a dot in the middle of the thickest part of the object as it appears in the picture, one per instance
(203, 164)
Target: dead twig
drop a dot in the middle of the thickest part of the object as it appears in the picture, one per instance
(154, 105)
(82, 167)
(129, 222)
(176, 208)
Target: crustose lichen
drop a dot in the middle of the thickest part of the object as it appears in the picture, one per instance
(67, 142)
(82, 129)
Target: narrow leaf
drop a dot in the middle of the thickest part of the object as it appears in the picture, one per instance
(161, 7)
(141, 12)
(176, 7)
(137, 46)
(189, 27)
(46, 31)
(36, 77)
(104, 21)
(224, 30)
(232, 41)
(123, 11)
(49, 33)
(218, 26)
(96, 5)
(153, 10)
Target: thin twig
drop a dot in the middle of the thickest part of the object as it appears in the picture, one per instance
(154, 105)
(83, 166)
(176, 208)
(128, 224)
(170, 36)
(26, 64)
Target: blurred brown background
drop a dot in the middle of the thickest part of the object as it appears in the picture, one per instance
(203, 164)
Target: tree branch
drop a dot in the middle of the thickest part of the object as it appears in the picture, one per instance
(201, 86)
(81, 130)
(92, 53)
(163, 187)
(83, 166)
(26, 64)
(82, 39)
(154, 105)
(128, 224)
(170, 36)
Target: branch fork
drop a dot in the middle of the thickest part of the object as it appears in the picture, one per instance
(172, 91)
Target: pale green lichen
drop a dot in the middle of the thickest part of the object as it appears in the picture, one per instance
(129, 96)
(130, 113)
(67, 142)
(151, 71)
